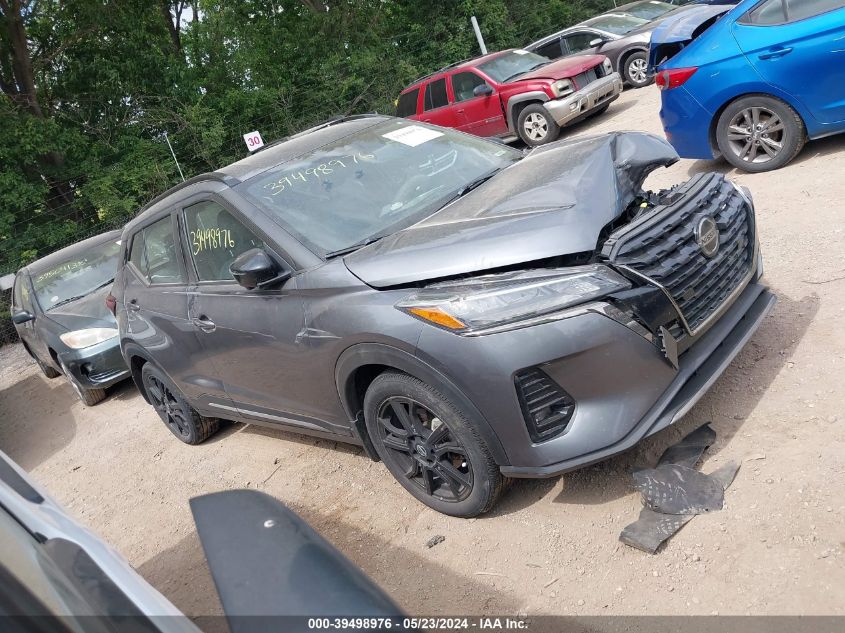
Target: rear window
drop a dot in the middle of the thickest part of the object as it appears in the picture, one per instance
(435, 95)
(407, 104)
(775, 12)
(616, 24)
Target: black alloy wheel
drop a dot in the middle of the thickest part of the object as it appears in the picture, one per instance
(169, 408)
(431, 445)
(173, 409)
(422, 447)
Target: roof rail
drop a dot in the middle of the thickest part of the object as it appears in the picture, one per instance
(441, 70)
(319, 126)
(212, 175)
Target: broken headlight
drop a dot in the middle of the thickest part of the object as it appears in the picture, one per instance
(478, 303)
(562, 88)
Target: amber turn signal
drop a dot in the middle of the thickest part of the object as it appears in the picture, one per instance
(436, 315)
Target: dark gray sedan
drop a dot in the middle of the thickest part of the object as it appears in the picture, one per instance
(60, 313)
(623, 37)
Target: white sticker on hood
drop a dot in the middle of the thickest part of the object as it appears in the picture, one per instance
(412, 135)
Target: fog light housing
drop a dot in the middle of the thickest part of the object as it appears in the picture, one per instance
(546, 408)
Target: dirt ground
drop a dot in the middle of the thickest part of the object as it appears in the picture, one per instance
(550, 547)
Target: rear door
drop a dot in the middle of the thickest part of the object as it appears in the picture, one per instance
(482, 115)
(253, 336)
(578, 42)
(436, 106)
(553, 49)
(799, 47)
(155, 298)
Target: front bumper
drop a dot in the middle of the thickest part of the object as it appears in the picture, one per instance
(98, 366)
(699, 368)
(624, 387)
(579, 104)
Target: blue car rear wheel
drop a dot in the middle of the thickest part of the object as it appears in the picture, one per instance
(759, 133)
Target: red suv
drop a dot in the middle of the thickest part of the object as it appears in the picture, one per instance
(513, 92)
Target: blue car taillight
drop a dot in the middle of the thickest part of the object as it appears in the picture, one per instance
(673, 77)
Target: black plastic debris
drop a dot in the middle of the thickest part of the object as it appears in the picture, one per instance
(673, 492)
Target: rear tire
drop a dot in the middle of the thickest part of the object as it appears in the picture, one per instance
(759, 133)
(180, 417)
(635, 70)
(88, 396)
(431, 446)
(536, 126)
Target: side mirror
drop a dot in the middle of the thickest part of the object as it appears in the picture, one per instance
(255, 269)
(482, 91)
(22, 316)
(596, 42)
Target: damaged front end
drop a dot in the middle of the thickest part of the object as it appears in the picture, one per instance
(577, 233)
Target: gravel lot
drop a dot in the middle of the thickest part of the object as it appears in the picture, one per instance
(551, 546)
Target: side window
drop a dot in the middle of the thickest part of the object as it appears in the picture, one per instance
(215, 239)
(435, 95)
(153, 253)
(770, 12)
(803, 9)
(407, 103)
(464, 83)
(551, 49)
(17, 296)
(21, 297)
(578, 42)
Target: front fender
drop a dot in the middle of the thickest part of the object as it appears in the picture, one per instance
(363, 354)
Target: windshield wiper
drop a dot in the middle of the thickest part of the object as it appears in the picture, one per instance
(472, 184)
(353, 247)
(79, 296)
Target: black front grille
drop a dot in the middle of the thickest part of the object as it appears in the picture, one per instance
(662, 246)
(586, 78)
(546, 407)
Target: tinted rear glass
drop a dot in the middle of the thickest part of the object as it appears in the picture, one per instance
(616, 24)
(435, 95)
(407, 104)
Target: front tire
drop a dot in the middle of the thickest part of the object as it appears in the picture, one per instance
(635, 70)
(430, 446)
(759, 133)
(536, 126)
(89, 396)
(48, 371)
(173, 409)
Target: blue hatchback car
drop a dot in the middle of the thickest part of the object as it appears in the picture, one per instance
(752, 82)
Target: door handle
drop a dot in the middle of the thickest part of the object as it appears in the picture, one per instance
(133, 306)
(204, 323)
(461, 111)
(775, 53)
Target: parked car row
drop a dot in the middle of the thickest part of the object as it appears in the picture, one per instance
(349, 281)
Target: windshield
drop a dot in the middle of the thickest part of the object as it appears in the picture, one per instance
(77, 276)
(373, 183)
(647, 10)
(616, 24)
(512, 64)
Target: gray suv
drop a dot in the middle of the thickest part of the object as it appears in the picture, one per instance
(463, 310)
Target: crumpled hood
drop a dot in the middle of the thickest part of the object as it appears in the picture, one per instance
(680, 27)
(562, 68)
(555, 201)
(89, 311)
